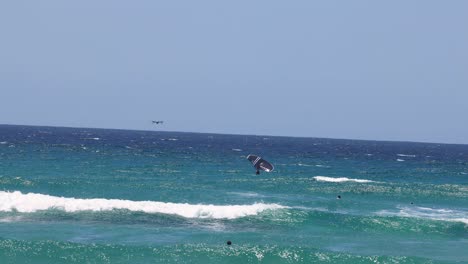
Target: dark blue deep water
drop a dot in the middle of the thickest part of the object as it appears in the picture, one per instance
(76, 195)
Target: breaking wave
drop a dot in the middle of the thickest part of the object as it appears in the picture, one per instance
(428, 213)
(340, 179)
(32, 202)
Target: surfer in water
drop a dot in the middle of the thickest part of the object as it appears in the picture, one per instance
(257, 172)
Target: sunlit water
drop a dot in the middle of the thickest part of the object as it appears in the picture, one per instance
(112, 196)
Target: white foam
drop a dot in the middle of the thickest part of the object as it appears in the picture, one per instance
(235, 149)
(33, 202)
(247, 194)
(400, 160)
(10, 219)
(463, 220)
(428, 213)
(322, 166)
(3, 142)
(309, 165)
(406, 155)
(340, 179)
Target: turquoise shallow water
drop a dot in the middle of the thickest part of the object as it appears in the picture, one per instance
(113, 196)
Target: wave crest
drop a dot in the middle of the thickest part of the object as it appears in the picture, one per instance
(32, 202)
(340, 179)
(428, 213)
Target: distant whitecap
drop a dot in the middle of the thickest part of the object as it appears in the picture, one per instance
(406, 155)
(322, 166)
(441, 214)
(340, 179)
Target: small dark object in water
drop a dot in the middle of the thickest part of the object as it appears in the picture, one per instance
(338, 197)
(411, 202)
(229, 242)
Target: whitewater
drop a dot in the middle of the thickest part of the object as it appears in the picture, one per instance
(81, 195)
(32, 202)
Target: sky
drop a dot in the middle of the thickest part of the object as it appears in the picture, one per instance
(376, 70)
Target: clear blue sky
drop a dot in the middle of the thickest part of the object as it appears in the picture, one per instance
(385, 70)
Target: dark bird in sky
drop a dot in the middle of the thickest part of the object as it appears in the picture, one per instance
(158, 122)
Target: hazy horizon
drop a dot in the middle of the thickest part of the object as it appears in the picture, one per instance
(218, 133)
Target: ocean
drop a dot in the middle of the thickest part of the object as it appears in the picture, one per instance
(81, 195)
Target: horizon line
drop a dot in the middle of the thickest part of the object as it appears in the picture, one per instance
(232, 134)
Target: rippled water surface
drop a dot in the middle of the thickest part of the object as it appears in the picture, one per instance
(70, 195)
